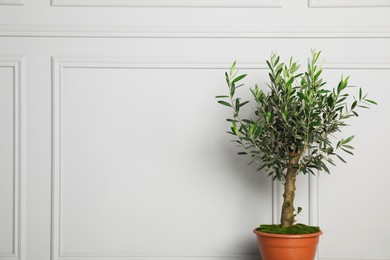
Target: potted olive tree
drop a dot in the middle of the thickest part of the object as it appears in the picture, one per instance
(291, 132)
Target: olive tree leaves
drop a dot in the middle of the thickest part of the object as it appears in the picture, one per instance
(297, 115)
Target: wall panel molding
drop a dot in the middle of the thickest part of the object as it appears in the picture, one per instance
(59, 64)
(356, 63)
(17, 65)
(11, 2)
(193, 32)
(168, 3)
(314, 197)
(349, 3)
(314, 192)
(314, 204)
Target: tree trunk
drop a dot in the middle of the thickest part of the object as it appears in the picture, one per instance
(287, 218)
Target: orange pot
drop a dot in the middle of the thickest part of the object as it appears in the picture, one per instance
(287, 247)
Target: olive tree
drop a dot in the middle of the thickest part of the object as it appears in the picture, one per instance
(292, 128)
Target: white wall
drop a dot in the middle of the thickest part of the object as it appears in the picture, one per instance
(113, 147)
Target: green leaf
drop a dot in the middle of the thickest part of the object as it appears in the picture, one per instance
(290, 81)
(339, 87)
(317, 74)
(341, 159)
(221, 96)
(353, 105)
(294, 68)
(324, 167)
(329, 150)
(239, 78)
(242, 153)
(232, 67)
(360, 93)
(271, 77)
(315, 56)
(299, 210)
(230, 133)
(244, 103)
(262, 167)
(237, 105)
(234, 128)
(257, 132)
(252, 129)
(371, 101)
(269, 65)
(277, 60)
(348, 139)
(232, 89)
(224, 103)
(268, 116)
(302, 96)
(279, 68)
(345, 150)
(330, 101)
(311, 171)
(248, 121)
(347, 146)
(284, 114)
(313, 124)
(227, 78)
(232, 120)
(342, 85)
(330, 161)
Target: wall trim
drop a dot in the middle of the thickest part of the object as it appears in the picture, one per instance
(314, 192)
(192, 32)
(153, 257)
(11, 2)
(17, 64)
(348, 3)
(314, 195)
(206, 63)
(169, 3)
(61, 63)
(357, 63)
(154, 63)
(314, 210)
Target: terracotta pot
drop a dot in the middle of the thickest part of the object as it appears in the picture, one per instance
(287, 247)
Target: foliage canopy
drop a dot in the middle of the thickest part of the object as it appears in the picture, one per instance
(296, 117)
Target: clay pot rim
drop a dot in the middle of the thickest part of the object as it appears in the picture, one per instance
(317, 234)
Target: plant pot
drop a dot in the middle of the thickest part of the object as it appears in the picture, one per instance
(287, 247)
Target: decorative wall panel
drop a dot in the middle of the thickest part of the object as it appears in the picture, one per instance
(11, 156)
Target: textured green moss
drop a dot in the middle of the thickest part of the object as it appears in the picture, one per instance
(295, 229)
